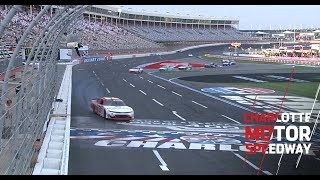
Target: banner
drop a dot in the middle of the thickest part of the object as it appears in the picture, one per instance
(26, 53)
(66, 54)
(93, 58)
(23, 53)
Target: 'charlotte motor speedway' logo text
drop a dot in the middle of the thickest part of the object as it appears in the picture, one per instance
(175, 135)
(297, 137)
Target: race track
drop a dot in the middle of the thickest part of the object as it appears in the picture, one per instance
(177, 129)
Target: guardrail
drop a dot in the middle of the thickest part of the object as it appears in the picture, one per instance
(101, 58)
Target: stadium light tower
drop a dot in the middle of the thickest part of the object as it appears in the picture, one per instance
(119, 11)
(119, 14)
(294, 33)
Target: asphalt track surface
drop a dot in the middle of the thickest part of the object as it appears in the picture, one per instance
(164, 114)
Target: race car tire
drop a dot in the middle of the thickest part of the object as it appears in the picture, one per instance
(104, 114)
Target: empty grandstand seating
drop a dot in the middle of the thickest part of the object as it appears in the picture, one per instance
(161, 34)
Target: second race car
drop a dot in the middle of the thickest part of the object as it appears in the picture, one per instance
(136, 70)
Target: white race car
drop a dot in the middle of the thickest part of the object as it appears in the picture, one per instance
(227, 62)
(136, 70)
(185, 67)
(112, 108)
(190, 55)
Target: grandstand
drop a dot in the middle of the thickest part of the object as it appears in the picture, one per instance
(119, 31)
(168, 28)
(108, 28)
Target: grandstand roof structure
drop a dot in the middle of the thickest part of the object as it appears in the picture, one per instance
(118, 13)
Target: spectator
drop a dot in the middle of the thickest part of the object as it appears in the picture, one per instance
(18, 88)
(7, 129)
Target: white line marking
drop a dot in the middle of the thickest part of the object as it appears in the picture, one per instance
(132, 85)
(279, 163)
(252, 165)
(199, 104)
(285, 78)
(102, 84)
(157, 102)
(93, 72)
(143, 92)
(248, 79)
(124, 80)
(176, 93)
(140, 77)
(163, 165)
(108, 90)
(230, 119)
(161, 86)
(150, 81)
(175, 113)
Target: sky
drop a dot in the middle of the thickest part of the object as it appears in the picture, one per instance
(250, 16)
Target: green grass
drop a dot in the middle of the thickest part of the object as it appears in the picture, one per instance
(212, 58)
(239, 61)
(261, 62)
(305, 68)
(300, 89)
(256, 62)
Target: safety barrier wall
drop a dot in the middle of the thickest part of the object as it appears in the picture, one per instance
(54, 153)
(163, 53)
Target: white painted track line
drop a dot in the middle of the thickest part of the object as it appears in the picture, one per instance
(230, 119)
(161, 86)
(143, 92)
(176, 93)
(163, 165)
(157, 102)
(175, 113)
(200, 104)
